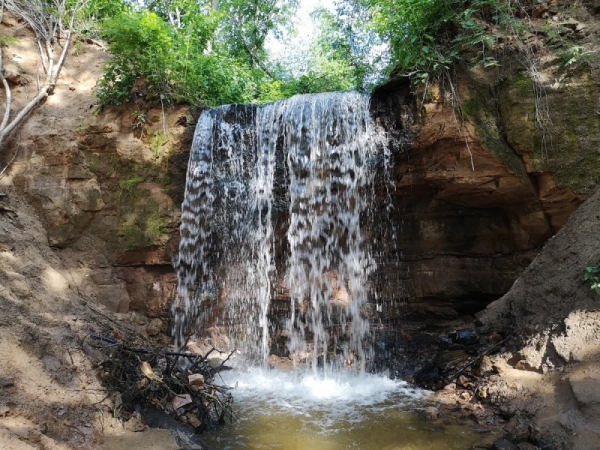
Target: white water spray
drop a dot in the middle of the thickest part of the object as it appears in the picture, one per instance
(305, 163)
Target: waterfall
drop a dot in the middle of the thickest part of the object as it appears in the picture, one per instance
(305, 164)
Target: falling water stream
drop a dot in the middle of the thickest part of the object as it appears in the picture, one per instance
(312, 159)
(278, 198)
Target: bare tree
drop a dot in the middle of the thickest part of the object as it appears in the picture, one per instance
(52, 22)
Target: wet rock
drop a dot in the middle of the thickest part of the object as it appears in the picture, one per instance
(520, 433)
(494, 338)
(468, 336)
(281, 363)
(527, 446)
(154, 327)
(428, 376)
(445, 341)
(432, 413)
(504, 444)
(539, 439)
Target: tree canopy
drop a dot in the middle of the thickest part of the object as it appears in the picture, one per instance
(216, 51)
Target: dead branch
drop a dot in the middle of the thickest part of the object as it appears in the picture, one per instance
(51, 21)
(473, 361)
(181, 384)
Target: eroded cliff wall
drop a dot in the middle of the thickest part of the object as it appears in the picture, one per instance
(478, 186)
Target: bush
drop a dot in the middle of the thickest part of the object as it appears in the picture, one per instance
(140, 43)
(591, 275)
(430, 35)
(173, 62)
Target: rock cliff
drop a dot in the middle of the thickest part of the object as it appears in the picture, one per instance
(479, 186)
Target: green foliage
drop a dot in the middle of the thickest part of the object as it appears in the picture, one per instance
(140, 43)
(172, 59)
(431, 35)
(246, 24)
(143, 226)
(105, 9)
(131, 182)
(331, 64)
(5, 40)
(185, 51)
(334, 66)
(574, 56)
(591, 275)
(141, 221)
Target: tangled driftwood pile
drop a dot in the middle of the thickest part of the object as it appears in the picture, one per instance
(182, 384)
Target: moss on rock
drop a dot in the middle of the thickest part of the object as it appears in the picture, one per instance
(567, 143)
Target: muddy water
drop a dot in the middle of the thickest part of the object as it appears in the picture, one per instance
(291, 412)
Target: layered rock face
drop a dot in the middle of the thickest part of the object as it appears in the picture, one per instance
(468, 213)
(472, 197)
(99, 181)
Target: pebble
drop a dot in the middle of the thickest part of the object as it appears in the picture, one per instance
(181, 400)
(154, 327)
(432, 413)
(193, 420)
(134, 424)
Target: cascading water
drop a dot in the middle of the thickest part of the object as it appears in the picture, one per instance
(273, 243)
(307, 162)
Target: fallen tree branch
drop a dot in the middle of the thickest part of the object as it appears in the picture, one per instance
(158, 378)
(473, 361)
(50, 20)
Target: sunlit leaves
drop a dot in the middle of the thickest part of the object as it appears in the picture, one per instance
(430, 35)
(591, 275)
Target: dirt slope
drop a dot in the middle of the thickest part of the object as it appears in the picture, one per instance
(50, 394)
(554, 318)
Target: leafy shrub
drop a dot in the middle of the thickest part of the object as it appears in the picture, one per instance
(139, 42)
(172, 61)
(575, 55)
(431, 35)
(591, 275)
